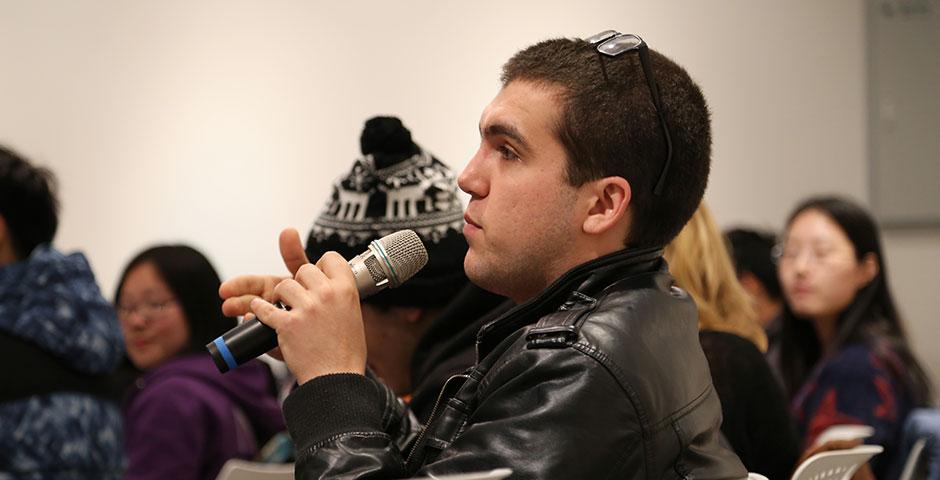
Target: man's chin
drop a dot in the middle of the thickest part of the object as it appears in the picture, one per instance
(486, 279)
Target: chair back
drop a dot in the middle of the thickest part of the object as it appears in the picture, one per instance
(921, 428)
(835, 464)
(844, 432)
(238, 469)
(497, 474)
(915, 466)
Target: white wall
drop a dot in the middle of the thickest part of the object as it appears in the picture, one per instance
(219, 123)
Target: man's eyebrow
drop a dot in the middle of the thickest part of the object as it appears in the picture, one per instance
(501, 129)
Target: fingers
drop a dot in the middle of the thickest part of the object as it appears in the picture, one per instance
(239, 291)
(235, 306)
(244, 285)
(335, 267)
(268, 314)
(310, 276)
(330, 276)
(292, 250)
(292, 293)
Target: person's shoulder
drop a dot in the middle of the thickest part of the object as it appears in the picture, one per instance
(172, 383)
(656, 317)
(171, 400)
(728, 341)
(730, 349)
(645, 334)
(853, 362)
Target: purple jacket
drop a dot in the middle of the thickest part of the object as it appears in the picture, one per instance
(184, 419)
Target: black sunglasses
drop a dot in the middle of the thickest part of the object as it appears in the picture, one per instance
(612, 43)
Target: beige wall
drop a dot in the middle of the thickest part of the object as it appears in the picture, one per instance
(218, 123)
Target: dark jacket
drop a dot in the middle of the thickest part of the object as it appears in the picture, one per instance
(599, 376)
(59, 339)
(861, 384)
(448, 347)
(184, 419)
(756, 419)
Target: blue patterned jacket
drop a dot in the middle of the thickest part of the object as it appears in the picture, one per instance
(59, 339)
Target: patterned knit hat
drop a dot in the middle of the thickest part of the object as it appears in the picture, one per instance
(396, 185)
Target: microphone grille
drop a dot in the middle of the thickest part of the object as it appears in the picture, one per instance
(406, 253)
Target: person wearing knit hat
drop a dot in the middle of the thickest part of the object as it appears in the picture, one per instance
(397, 185)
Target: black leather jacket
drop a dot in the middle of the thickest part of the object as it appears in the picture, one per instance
(600, 376)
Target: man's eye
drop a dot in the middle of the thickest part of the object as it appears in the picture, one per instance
(507, 153)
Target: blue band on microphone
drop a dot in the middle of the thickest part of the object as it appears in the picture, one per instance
(226, 354)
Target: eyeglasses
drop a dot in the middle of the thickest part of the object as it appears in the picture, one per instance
(784, 254)
(612, 43)
(147, 310)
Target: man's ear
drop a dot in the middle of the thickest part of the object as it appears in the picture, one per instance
(608, 199)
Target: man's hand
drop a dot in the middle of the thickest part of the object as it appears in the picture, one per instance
(323, 332)
(238, 292)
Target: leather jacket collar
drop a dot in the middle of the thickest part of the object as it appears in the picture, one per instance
(589, 278)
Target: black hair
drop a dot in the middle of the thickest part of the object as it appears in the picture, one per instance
(871, 319)
(609, 127)
(194, 283)
(752, 252)
(28, 202)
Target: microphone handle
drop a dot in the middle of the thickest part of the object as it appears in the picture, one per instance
(241, 344)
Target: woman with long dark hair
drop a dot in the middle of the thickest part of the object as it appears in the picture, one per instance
(844, 356)
(183, 419)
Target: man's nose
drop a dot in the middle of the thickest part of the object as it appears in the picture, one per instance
(471, 179)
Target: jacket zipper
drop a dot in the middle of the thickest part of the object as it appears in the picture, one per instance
(434, 413)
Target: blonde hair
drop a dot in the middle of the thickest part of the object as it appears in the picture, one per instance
(699, 260)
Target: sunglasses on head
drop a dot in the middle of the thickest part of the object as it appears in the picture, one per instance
(611, 43)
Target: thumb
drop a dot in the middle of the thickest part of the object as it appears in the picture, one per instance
(292, 250)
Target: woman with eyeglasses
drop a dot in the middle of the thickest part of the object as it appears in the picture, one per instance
(844, 356)
(182, 418)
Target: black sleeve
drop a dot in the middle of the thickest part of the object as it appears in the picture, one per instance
(47, 373)
(336, 423)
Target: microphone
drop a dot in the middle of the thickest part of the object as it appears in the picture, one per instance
(389, 262)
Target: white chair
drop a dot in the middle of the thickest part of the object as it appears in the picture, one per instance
(238, 469)
(835, 464)
(844, 432)
(915, 466)
(497, 474)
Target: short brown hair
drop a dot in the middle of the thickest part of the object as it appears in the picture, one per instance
(610, 128)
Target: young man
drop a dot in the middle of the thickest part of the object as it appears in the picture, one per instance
(582, 174)
(753, 259)
(757, 272)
